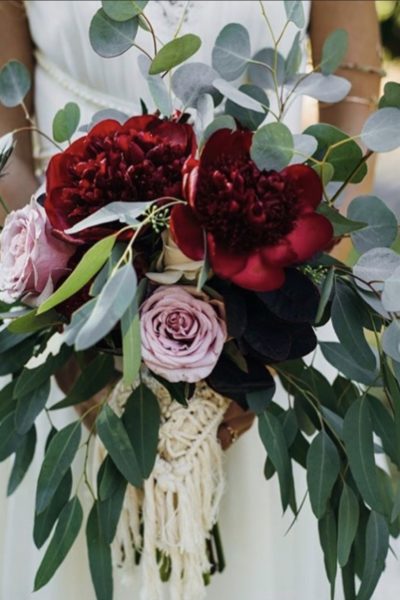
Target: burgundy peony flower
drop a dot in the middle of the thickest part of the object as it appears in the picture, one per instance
(256, 222)
(141, 160)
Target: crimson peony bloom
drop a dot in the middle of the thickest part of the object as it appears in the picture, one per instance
(140, 160)
(256, 223)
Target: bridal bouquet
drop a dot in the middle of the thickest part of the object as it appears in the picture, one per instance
(182, 257)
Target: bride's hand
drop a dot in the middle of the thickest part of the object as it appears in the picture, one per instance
(236, 422)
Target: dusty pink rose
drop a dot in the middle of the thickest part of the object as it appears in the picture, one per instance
(182, 333)
(31, 259)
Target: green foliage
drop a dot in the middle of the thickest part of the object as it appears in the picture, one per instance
(341, 225)
(381, 229)
(30, 406)
(88, 266)
(391, 95)
(333, 51)
(45, 520)
(247, 117)
(349, 513)
(142, 420)
(323, 465)
(231, 51)
(66, 122)
(65, 534)
(381, 131)
(376, 548)
(57, 460)
(110, 38)
(272, 146)
(295, 12)
(15, 83)
(175, 53)
(327, 528)
(23, 458)
(99, 553)
(123, 10)
(114, 436)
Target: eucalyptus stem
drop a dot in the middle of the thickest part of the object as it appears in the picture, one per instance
(153, 35)
(39, 132)
(348, 179)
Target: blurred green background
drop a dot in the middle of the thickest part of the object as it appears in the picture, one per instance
(389, 17)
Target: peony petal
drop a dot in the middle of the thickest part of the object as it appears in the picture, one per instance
(140, 123)
(280, 255)
(57, 174)
(176, 134)
(233, 144)
(189, 181)
(307, 183)
(104, 128)
(312, 234)
(223, 262)
(187, 232)
(259, 277)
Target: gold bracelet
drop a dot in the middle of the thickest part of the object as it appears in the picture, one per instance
(363, 69)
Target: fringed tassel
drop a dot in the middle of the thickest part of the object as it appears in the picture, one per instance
(179, 504)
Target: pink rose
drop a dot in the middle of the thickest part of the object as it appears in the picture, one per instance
(31, 259)
(182, 333)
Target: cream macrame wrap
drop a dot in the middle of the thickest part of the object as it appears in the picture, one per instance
(179, 503)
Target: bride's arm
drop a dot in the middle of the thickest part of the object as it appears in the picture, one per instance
(19, 182)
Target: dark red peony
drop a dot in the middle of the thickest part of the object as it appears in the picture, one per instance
(141, 160)
(256, 222)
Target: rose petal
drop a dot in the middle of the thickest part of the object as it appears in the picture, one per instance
(312, 234)
(259, 277)
(308, 185)
(187, 232)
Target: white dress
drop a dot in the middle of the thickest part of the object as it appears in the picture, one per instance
(262, 564)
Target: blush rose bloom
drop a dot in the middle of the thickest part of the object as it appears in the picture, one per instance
(182, 333)
(31, 259)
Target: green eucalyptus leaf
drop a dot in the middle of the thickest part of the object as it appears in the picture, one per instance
(10, 439)
(7, 400)
(376, 548)
(123, 212)
(358, 437)
(57, 460)
(381, 131)
(391, 340)
(112, 302)
(30, 406)
(232, 93)
(9, 340)
(109, 479)
(294, 57)
(31, 379)
(273, 438)
(374, 267)
(272, 146)
(99, 553)
(251, 119)
(344, 158)
(396, 505)
(123, 10)
(325, 88)
(15, 83)
(341, 225)
(94, 377)
(262, 66)
(326, 291)
(259, 400)
(327, 529)
(392, 389)
(325, 171)
(109, 511)
(110, 38)
(391, 292)
(174, 53)
(131, 344)
(349, 513)
(220, 122)
(157, 87)
(142, 421)
(79, 318)
(32, 322)
(391, 95)
(65, 534)
(323, 466)
(334, 51)
(88, 266)
(344, 362)
(347, 319)
(231, 51)
(15, 359)
(383, 425)
(45, 521)
(66, 122)
(304, 146)
(23, 459)
(381, 229)
(295, 12)
(112, 433)
(193, 80)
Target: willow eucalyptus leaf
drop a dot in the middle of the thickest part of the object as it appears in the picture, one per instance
(349, 512)
(123, 212)
(23, 459)
(294, 58)
(376, 549)
(323, 466)
(111, 304)
(99, 553)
